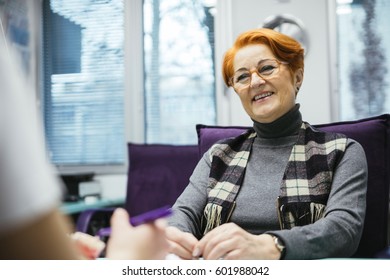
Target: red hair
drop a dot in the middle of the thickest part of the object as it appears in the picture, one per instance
(283, 47)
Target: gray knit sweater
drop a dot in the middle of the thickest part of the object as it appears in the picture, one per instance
(335, 235)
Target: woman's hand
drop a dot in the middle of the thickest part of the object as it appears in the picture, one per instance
(181, 243)
(89, 246)
(142, 242)
(230, 242)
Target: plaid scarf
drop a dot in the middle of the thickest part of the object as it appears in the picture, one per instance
(305, 186)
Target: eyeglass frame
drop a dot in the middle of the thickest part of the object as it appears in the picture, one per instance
(256, 70)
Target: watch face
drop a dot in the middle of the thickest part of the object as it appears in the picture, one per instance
(289, 25)
(279, 244)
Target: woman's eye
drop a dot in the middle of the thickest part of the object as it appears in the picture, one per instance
(266, 69)
(242, 77)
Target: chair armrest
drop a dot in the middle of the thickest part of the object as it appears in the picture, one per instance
(91, 220)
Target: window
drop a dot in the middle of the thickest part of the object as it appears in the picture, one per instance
(83, 81)
(179, 69)
(364, 58)
(14, 30)
(85, 89)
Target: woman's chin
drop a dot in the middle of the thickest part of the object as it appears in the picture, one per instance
(264, 116)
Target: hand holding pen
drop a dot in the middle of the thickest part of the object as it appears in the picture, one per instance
(145, 241)
(144, 218)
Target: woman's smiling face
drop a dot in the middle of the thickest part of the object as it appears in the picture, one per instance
(265, 100)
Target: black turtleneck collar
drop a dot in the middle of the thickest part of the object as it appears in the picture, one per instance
(286, 125)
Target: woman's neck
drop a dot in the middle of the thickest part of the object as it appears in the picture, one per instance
(288, 124)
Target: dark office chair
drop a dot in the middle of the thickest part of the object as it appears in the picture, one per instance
(374, 135)
(157, 175)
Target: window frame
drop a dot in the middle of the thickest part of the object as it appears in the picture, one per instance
(134, 71)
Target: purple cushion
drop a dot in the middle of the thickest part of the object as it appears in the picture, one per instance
(157, 175)
(374, 135)
(210, 134)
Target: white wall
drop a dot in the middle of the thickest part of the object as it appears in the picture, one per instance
(237, 16)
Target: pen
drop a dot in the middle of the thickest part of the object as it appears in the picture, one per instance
(144, 218)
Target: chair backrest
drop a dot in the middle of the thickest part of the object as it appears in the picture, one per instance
(157, 175)
(374, 136)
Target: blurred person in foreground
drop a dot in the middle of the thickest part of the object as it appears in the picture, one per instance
(31, 225)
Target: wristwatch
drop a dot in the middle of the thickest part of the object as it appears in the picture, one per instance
(280, 246)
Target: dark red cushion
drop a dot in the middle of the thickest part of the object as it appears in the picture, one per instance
(374, 135)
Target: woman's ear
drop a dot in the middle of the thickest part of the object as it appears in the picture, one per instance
(298, 78)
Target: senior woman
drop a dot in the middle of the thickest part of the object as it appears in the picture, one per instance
(281, 190)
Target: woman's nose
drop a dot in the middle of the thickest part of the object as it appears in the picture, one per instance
(256, 80)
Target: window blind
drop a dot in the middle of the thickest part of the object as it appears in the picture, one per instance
(83, 68)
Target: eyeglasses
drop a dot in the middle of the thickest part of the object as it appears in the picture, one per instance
(265, 69)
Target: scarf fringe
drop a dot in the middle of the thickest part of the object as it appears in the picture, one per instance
(317, 211)
(212, 214)
(299, 214)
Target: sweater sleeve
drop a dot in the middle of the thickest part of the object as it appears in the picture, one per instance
(188, 208)
(339, 232)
